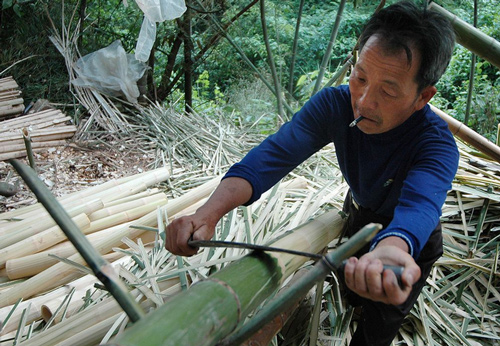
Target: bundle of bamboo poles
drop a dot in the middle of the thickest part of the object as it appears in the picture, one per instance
(47, 128)
(11, 102)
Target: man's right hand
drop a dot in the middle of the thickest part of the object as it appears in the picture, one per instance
(230, 193)
(180, 230)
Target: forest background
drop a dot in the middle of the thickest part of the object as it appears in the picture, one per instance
(217, 72)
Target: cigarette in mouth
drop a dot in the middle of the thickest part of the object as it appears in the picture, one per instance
(356, 121)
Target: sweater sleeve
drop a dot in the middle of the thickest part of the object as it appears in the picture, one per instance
(295, 141)
(423, 194)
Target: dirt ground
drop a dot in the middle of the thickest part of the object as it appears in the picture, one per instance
(73, 168)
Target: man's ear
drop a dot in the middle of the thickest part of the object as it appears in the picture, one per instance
(425, 96)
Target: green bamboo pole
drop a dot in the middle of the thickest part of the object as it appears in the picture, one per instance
(303, 285)
(329, 49)
(213, 308)
(471, 38)
(272, 66)
(471, 74)
(101, 268)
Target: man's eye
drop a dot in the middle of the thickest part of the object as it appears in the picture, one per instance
(388, 94)
(362, 80)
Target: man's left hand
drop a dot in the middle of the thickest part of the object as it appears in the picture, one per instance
(367, 278)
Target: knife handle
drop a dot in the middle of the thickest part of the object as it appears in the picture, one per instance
(398, 271)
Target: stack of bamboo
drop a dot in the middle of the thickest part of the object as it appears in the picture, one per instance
(46, 128)
(11, 102)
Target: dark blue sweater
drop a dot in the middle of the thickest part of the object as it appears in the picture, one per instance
(403, 174)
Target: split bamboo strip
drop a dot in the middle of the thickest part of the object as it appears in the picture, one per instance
(217, 305)
(100, 267)
(85, 320)
(109, 191)
(23, 229)
(10, 101)
(124, 216)
(7, 83)
(147, 193)
(61, 273)
(472, 38)
(18, 109)
(38, 302)
(109, 211)
(469, 136)
(33, 264)
(22, 153)
(40, 241)
(40, 135)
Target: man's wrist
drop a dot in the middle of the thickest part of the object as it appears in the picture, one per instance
(395, 239)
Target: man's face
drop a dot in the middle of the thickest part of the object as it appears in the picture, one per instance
(383, 88)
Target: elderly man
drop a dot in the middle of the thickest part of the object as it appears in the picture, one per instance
(397, 156)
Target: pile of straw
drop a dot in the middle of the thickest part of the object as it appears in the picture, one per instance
(458, 306)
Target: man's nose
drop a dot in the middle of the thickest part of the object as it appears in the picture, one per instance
(368, 99)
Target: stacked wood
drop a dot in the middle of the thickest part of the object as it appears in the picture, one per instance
(11, 102)
(47, 128)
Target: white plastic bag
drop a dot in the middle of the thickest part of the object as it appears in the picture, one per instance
(155, 11)
(111, 71)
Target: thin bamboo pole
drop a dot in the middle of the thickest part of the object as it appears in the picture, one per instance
(469, 136)
(270, 60)
(471, 38)
(329, 49)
